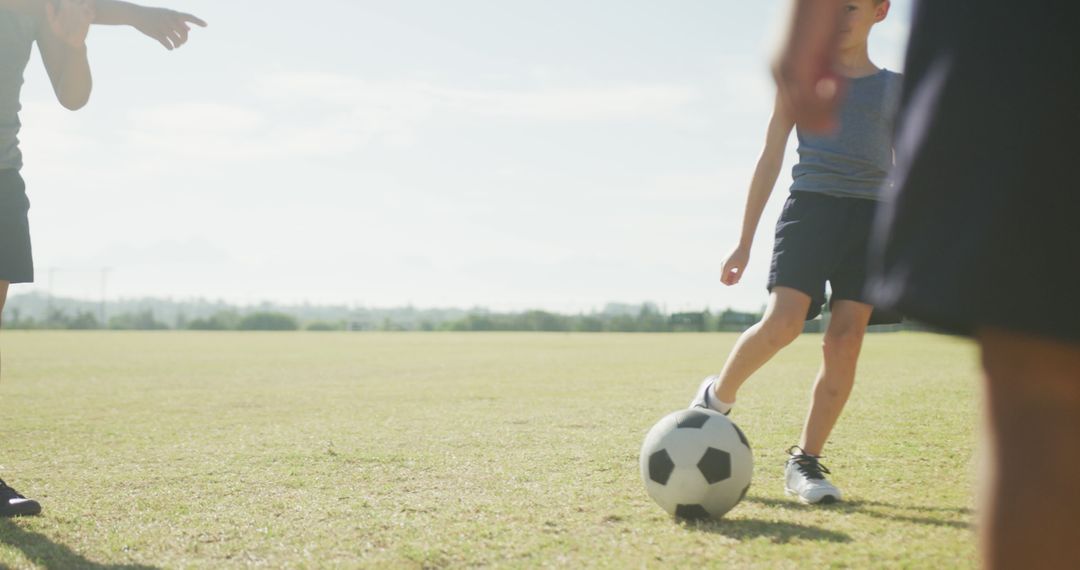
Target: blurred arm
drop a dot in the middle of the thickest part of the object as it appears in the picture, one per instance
(28, 7)
(804, 67)
(62, 41)
(169, 27)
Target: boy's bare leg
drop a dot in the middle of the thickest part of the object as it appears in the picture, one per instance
(843, 341)
(782, 323)
(1030, 516)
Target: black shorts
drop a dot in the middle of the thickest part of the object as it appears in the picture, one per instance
(823, 239)
(981, 228)
(16, 262)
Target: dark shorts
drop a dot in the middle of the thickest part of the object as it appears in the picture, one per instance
(823, 239)
(16, 262)
(981, 227)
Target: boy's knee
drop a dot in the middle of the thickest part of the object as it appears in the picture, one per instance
(844, 343)
(781, 331)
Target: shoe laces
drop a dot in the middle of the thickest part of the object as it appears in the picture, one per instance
(7, 493)
(808, 465)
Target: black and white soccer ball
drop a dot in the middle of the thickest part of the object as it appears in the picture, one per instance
(696, 464)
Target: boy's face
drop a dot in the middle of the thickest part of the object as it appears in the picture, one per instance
(858, 17)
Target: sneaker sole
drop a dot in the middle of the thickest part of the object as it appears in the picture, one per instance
(24, 509)
(826, 500)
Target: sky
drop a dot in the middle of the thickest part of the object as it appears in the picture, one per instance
(509, 154)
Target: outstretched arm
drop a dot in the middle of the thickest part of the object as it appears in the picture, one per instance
(62, 41)
(761, 187)
(169, 27)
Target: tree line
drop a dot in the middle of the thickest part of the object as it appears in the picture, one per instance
(615, 318)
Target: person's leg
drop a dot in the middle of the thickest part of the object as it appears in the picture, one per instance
(782, 323)
(804, 475)
(3, 299)
(12, 503)
(1030, 515)
(840, 349)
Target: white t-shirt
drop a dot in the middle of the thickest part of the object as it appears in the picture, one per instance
(17, 35)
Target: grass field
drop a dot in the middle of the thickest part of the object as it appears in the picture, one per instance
(173, 450)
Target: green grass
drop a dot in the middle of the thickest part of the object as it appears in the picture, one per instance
(177, 450)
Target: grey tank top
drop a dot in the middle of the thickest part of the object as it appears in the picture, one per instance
(17, 34)
(854, 161)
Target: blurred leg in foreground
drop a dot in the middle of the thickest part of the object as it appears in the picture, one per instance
(1030, 500)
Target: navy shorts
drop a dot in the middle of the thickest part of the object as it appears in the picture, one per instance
(980, 229)
(821, 239)
(16, 261)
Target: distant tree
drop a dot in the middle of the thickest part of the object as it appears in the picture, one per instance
(56, 319)
(268, 321)
(711, 321)
(735, 321)
(588, 323)
(14, 320)
(220, 321)
(651, 320)
(688, 322)
(623, 323)
(25, 323)
(389, 324)
(84, 321)
(325, 326)
(141, 321)
(542, 321)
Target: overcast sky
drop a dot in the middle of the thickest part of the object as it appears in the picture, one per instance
(514, 154)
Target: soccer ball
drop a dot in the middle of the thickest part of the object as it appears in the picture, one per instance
(696, 464)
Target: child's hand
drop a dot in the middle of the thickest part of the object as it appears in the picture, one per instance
(69, 20)
(734, 266)
(168, 27)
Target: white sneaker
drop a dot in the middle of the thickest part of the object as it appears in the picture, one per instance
(705, 393)
(805, 479)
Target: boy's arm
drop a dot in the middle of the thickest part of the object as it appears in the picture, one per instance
(169, 27)
(28, 7)
(62, 41)
(761, 187)
(804, 67)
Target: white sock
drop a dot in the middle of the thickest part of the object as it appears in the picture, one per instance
(715, 404)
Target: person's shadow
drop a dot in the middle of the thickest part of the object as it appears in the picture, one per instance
(908, 513)
(47, 554)
(776, 532)
(783, 532)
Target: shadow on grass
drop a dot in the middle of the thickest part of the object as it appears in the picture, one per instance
(919, 514)
(47, 554)
(776, 532)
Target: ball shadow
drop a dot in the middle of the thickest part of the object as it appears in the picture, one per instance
(775, 531)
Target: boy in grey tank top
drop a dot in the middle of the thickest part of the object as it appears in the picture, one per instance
(59, 27)
(821, 237)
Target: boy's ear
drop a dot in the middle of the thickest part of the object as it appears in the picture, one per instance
(881, 11)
